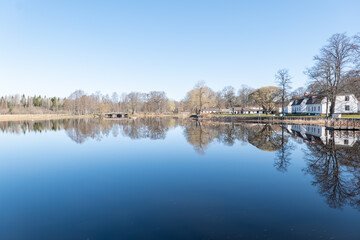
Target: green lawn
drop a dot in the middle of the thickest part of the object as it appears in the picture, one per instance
(350, 116)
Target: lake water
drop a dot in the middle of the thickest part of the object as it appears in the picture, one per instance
(177, 179)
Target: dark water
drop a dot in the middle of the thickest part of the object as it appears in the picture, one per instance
(177, 179)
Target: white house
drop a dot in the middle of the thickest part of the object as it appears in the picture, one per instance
(299, 105)
(313, 105)
(316, 106)
(287, 108)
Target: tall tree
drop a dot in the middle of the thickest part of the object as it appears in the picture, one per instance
(333, 62)
(23, 101)
(134, 100)
(228, 94)
(115, 102)
(243, 96)
(219, 101)
(199, 98)
(200, 91)
(157, 101)
(283, 79)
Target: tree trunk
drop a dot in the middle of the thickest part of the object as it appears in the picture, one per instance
(332, 106)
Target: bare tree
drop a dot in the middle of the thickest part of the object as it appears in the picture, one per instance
(351, 83)
(157, 101)
(357, 51)
(115, 101)
(219, 101)
(333, 62)
(134, 100)
(283, 79)
(228, 94)
(243, 96)
(298, 92)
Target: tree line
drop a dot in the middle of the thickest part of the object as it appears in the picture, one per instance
(336, 70)
(80, 103)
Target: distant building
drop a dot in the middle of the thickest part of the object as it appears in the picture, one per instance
(217, 110)
(250, 110)
(234, 110)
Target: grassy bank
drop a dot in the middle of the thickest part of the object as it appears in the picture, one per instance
(34, 117)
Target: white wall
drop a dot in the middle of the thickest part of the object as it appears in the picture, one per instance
(300, 108)
(341, 103)
(314, 108)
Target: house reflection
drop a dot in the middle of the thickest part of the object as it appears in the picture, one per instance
(333, 160)
(317, 134)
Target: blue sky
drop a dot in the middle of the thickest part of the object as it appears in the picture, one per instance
(54, 47)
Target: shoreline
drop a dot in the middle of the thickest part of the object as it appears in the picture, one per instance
(338, 123)
(39, 117)
(272, 120)
(301, 120)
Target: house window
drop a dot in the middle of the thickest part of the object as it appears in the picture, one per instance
(347, 108)
(346, 142)
(347, 98)
(319, 108)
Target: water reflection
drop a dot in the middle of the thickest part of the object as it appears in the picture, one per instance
(80, 130)
(332, 158)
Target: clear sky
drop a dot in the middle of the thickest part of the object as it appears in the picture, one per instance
(54, 47)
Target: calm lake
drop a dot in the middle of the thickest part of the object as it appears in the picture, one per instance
(166, 178)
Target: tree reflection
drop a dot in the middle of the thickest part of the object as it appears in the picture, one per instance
(199, 136)
(332, 158)
(336, 171)
(80, 130)
(265, 137)
(283, 155)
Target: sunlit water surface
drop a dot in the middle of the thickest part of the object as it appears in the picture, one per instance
(177, 179)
